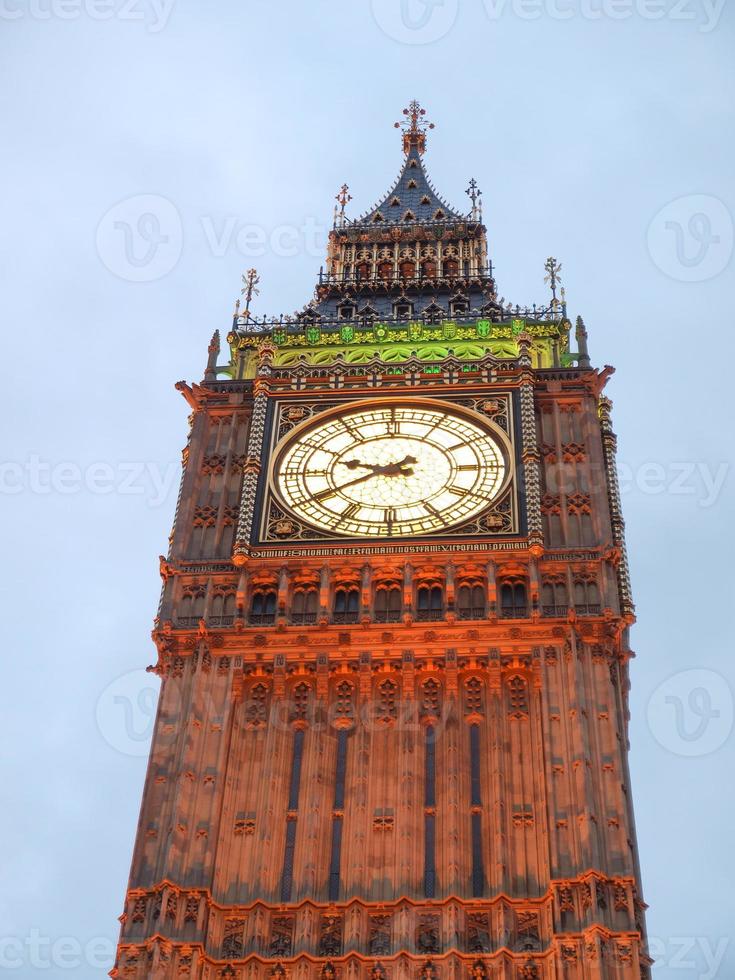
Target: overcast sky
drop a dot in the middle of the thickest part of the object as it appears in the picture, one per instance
(154, 151)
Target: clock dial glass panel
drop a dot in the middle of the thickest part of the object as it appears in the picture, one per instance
(390, 471)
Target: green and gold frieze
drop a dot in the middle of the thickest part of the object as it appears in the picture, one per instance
(395, 343)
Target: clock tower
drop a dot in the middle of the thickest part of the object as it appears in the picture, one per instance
(391, 741)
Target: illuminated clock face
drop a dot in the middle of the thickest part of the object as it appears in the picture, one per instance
(391, 470)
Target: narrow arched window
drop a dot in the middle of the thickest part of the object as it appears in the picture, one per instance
(471, 602)
(388, 604)
(554, 598)
(430, 602)
(304, 606)
(346, 605)
(263, 607)
(587, 597)
(513, 600)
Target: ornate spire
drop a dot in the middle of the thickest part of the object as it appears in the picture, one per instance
(343, 199)
(582, 349)
(552, 277)
(213, 350)
(250, 281)
(475, 195)
(414, 128)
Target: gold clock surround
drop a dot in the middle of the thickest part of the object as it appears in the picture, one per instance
(390, 468)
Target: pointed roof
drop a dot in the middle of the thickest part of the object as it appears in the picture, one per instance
(412, 199)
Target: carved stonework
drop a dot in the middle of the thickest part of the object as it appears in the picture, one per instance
(330, 935)
(478, 932)
(281, 937)
(379, 941)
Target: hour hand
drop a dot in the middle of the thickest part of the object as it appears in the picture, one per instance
(353, 464)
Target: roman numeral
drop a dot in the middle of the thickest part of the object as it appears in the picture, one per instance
(325, 494)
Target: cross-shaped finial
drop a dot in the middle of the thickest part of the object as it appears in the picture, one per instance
(250, 281)
(475, 194)
(343, 199)
(414, 128)
(552, 277)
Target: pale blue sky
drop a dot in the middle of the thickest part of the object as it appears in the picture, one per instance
(580, 132)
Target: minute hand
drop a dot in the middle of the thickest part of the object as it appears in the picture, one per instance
(330, 492)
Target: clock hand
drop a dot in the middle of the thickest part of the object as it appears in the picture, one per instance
(332, 491)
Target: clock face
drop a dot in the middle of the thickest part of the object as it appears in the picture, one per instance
(390, 470)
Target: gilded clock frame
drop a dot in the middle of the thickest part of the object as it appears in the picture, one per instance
(276, 523)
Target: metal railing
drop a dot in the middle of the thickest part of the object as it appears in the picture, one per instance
(345, 617)
(514, 612)
(429, 615)
(557, 611)
(474, 613)
(303, 618)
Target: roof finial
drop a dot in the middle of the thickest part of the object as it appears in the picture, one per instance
(343, 199)
(249, 289)
(475, 195)
(552, 277)
(210, 374)
(583, 351)
(414, 128)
